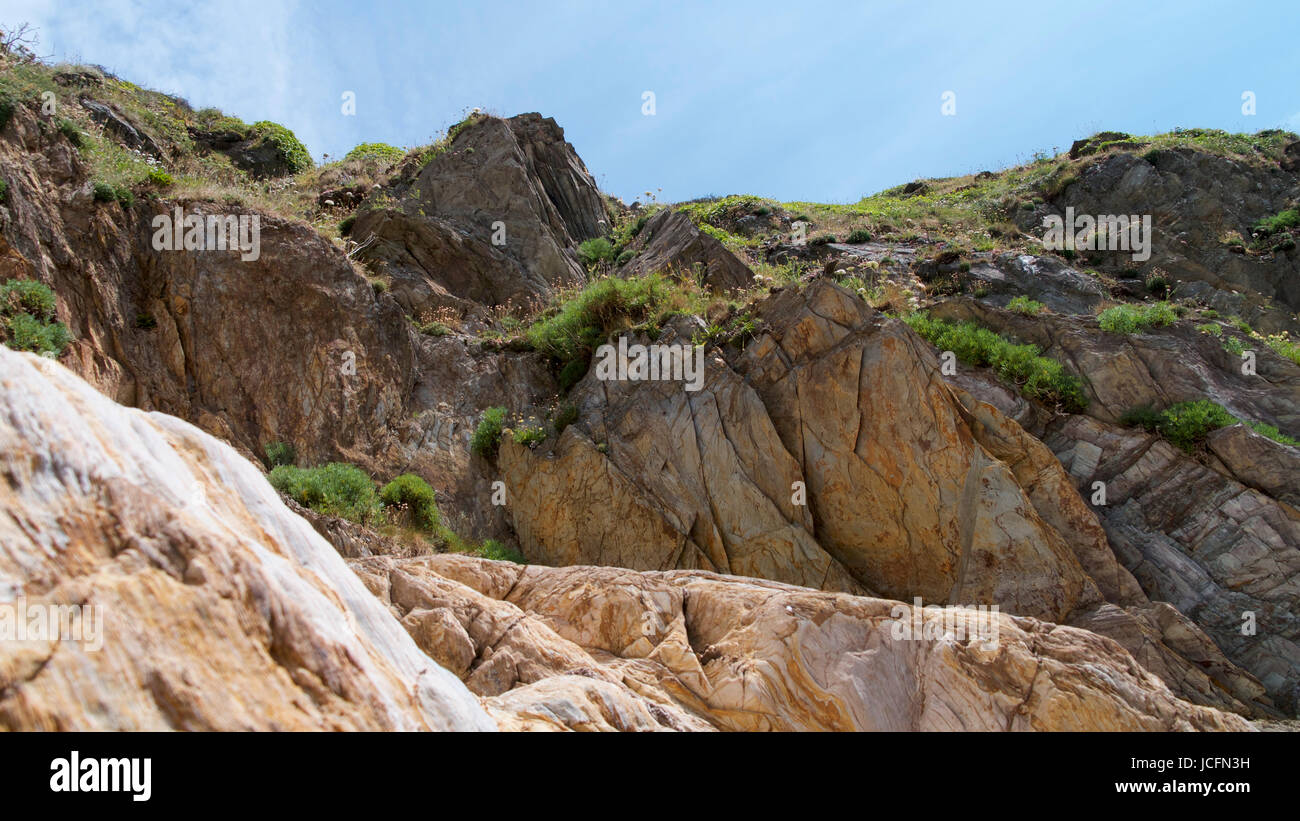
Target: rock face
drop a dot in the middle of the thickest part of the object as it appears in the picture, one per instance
(670, 243)
(909, 488)
(584, 648)
(221, 610)
(493, 219)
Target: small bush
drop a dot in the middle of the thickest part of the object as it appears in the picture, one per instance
(822, 239)
(1212, 328)
(160, 178)
(336, 489)
(280, 453)
(27, 333)
(104, 192)
(69, 130)
(28, 309)
(487, 436)
(1186, 424)
(1158, 285)
(8, 105)
(858, 236)
(1142, 417)
(292, 152)
(379, 286)
(412, 493)
(625, 257)
(594, 251)
(530, 434)
(1284, 347)
(1284, 221)
(345, 225)
(381, 152)
(572, 373)
(434, 328)
(4, 192)
(1025, 305)
(29, 296)
(1127, 319)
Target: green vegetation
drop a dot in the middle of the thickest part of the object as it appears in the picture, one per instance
(1128, 319)
(1273, 433)
(565, 416)
(379, 152)
(1284, 221)
(107, 192)
(492, 549)
(1025, 305)
(1284, 347)
(27, 311)
(279, 453)
(530, 433)
(411, 493)
(336, 489)
(1039, 378)
(1185, 424)
(1212, 328)
(69, 129)
(595, 251)
(579, 321)
(293, 153)
(487, 436)
(858, 236)
(4, 192)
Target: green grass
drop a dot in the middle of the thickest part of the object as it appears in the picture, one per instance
(411, 493)
(1025, 305)
(336, 489)
(530, 434)
(1128, 319)
(595, 251)
(492, 549)
(1038, 378)
(858, 236)
(487, 436)
(1284, 347)
(291, 150)
(27, 323)
(579, 321)
(1273, 433)
(1283, 221)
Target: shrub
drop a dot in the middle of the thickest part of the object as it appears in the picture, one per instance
(104, 192)
(160, 178)
(859, 235)
(345, 225)
(1284, 347)
(1127, 319)
(8, 105)
(530, 434)
(572, 373)
(29, 296)
(1025, 305)
(379, 286)
(414, 494)
(280, 453)
(487, 436)
(27, 333)
(1186, 424)
(336, 489)
(1158, 286)
(1284, 221)
(822, 239)
(625, 257)
(1211, 328)
(4, 192)
(1142, 417)
(434, 328)
(594, 251)
(292, 152)
(1038, 377)
(69, 130)
(382, 152)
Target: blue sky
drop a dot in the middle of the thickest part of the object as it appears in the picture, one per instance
(793, 100)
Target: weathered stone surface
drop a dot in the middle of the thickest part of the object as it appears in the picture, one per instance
(221, 609)
(1211, 547)
(1259, 462)
(670, 243)
(433, 233)
(587, 648)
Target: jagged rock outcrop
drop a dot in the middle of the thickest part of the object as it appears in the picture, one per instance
(670, 243)
(586, 648)
(1195, 200)
(293, 345)
(910, 489)
(221, 610)
(1155, 368)
(492, 219)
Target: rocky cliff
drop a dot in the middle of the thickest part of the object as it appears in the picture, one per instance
(913, 397)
